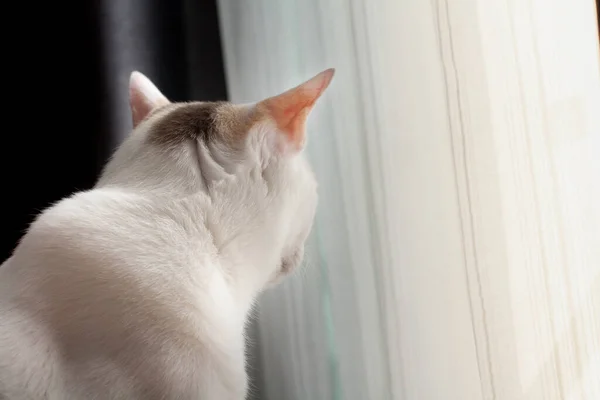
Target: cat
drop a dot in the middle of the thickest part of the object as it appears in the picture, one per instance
(140, 287)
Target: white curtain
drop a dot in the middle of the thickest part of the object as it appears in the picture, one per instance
(456, 252)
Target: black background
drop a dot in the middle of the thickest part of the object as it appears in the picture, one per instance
(66, 69)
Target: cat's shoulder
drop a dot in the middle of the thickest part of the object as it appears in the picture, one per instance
(115, 218)
(92, 202)
(102, 208)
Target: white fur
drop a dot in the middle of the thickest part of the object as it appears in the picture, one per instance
(140, 287)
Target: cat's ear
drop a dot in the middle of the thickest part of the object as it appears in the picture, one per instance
(144, 97)
(290, 109)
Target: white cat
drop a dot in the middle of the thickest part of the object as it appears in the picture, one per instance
(140, 287)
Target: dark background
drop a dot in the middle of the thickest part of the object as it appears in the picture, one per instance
(67, 68)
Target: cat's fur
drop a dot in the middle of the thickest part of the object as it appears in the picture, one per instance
(140, 287)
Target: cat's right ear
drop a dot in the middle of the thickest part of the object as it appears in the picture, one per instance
(290, 110)
(144, 97)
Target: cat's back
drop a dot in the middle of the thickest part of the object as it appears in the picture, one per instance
(95, 299)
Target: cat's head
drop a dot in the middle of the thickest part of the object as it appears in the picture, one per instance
(247, 159)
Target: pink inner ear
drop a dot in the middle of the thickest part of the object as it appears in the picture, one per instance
(139, 107)
(290, 109)
(144, 97)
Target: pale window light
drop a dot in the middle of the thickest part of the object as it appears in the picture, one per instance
(456, 253)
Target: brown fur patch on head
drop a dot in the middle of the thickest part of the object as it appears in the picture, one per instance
(235, 121)
(205, 121)
(184, 122)
(158, 109)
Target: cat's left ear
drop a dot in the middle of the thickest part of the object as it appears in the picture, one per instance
(144, 97)
(289, 110)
